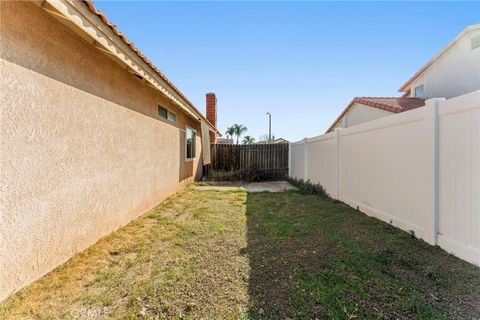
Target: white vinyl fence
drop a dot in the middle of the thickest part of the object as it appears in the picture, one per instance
(419, 170)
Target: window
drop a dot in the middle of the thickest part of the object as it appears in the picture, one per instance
(162, 112)
(419, 92)
(475, 42)
(172, 117)
(190, 137)
(167, 114)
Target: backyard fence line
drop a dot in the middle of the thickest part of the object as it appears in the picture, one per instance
(418, 170)
(269, 158)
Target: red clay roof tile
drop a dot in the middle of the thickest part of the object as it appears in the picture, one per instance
(391, 104)
(396, 104)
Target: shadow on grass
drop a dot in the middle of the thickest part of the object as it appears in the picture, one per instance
(316, 258)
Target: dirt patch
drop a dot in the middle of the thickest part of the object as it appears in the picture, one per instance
(275, 268)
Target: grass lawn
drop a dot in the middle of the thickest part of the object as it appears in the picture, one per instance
(232, 255)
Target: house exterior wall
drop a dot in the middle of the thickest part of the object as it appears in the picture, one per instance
(455, 73)
(83, 150)
(360, 113)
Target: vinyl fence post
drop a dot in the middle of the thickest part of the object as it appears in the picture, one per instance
(337, 163)
(433, 214)
(289, 159)
(305, 160)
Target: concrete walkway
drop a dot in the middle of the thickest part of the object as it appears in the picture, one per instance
(269, 186)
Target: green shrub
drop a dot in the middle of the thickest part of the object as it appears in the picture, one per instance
(215, 175)
(307, 187)
(248, 175)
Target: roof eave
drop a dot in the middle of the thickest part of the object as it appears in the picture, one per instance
(436, 57)
(108, 39)
(340, 116)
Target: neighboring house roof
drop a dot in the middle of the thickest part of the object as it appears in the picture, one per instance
(279, 140)
(224, 141)
(391, 104)
(103, 17)
(441, 53)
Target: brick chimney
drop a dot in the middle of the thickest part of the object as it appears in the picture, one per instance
(212, 114)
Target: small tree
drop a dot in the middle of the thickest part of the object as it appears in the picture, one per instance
(230, 132)
(248, 140)
(239, 130)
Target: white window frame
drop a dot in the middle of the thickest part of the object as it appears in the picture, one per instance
(186, 145)
(415, 91)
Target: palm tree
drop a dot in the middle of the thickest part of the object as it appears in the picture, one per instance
(230, 132)
(265, 138)
(248, 140)
(239, 130)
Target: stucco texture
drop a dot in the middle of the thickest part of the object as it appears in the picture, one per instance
(360, 113)
(455, 73)
(83, 151)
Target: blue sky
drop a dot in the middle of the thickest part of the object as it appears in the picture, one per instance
(301, 61)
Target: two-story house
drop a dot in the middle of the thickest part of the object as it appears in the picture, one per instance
(454, 71)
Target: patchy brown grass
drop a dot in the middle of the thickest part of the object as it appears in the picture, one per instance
(232, 255)
(180, 260)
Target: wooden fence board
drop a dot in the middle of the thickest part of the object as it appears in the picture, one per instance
(271, 159)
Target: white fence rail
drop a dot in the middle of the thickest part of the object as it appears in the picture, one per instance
(419, 170)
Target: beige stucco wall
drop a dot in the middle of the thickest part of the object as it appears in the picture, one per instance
(360, 113)
(83, 151)
(455, 73)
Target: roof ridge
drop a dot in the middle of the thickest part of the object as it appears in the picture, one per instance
(387, 97)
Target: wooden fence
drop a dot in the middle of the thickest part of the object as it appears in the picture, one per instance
(267, 160)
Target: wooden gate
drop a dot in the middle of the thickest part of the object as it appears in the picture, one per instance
(268, 160)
